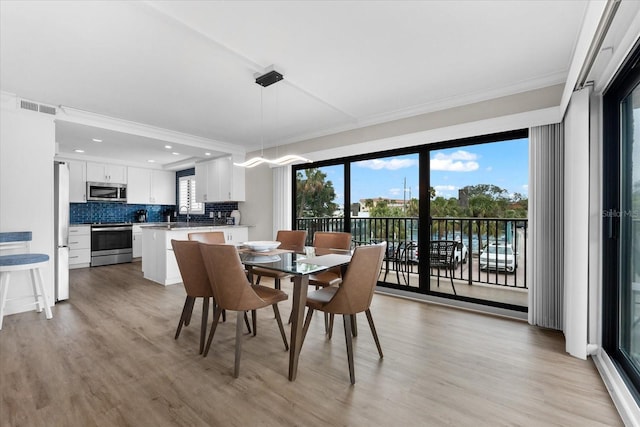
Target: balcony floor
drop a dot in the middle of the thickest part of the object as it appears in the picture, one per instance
(483, 291)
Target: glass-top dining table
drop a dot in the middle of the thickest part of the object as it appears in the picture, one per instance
(299, 266)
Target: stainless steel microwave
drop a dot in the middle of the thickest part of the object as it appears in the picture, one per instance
(106, 192)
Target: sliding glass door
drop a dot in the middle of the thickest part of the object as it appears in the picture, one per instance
(471, 191)
(621, 220)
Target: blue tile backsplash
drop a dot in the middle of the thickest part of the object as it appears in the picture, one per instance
(105, 212)
(90, 212)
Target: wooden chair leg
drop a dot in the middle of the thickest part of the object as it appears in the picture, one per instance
(349, 341)
(45, 300)
(188, 306)
(187, 318)
(276, 311)
(307, 321)
(236, 367)
(277, 283)
(374, 332)
(258, 280)
(354, 326)
(254, 319)
(330, 333)
(203, 326)
(326, 323)
(246, 322)
(214, 324)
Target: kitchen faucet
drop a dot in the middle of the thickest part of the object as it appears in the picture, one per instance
(188, 212)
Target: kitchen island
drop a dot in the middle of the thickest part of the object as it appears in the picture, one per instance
(158, 261)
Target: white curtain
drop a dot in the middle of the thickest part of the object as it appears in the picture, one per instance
(576, 220)
(282, 194)
(545, 243)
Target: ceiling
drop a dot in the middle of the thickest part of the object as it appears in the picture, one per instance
(190, 66)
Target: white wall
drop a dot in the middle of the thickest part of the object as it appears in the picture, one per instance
(257, 211)
(27, 147)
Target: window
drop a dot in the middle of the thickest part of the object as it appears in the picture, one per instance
(472, 191)
(187, 196)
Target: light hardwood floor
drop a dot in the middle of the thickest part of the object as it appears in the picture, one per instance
(108, 358)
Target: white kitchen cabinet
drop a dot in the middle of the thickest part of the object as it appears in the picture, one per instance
(202, 181)
(79, 246)
(77, 181)
(151, 186)
(218, 180)
(163, 187)
(138, 186)
(158, 260)
(137, 241)
(235, 235)
(104, 172)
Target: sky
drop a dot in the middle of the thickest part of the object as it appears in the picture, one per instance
(505, 164)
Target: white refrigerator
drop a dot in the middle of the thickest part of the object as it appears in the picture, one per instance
(61, 224)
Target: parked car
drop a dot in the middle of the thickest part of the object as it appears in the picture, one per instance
(498, 256)
(460, 255)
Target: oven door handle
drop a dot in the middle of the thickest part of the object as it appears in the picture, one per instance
(112, 229)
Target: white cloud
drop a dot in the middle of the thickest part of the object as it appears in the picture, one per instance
(489, 169)
(462, 155)
(395, 191)
(444, 187)
(460, 161)
(445, 190)
(392, 164)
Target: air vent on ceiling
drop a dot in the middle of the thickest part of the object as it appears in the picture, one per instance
(28, 105)
(47, 109)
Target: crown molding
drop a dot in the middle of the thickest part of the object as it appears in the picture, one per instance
(74, 115)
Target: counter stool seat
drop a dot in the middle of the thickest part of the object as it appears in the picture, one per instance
(19, 262)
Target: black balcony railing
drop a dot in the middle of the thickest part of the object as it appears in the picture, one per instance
(491, 251)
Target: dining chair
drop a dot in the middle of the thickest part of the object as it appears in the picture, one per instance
(329, 240)
(333, 276)
(353, 296)
(196, 284)
(233, 291)
(215, 237)
(292, 240)
(210, 237)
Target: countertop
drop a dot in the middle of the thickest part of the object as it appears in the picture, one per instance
(182, 225)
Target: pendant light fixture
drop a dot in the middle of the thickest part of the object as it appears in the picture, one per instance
(266, 80)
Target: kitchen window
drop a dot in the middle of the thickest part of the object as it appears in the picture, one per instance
(187, 196)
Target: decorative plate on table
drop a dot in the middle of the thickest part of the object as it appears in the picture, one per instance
(261, 258)
(261, 246)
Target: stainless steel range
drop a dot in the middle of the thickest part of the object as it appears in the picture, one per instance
(111, 243)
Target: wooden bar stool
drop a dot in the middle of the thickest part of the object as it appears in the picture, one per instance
(19, 262)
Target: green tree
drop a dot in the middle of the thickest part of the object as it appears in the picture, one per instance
(413, 207)
(314, 194)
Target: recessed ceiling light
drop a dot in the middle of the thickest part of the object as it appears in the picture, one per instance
(96, 140)
(168, 147)
(175, 154)
(151, 161)
(207, 154)
(78, 150)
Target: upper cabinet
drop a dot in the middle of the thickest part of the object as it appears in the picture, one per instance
(163, 187)
(218, 180)
(77, 181)
(150, 186)
(103, 172)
